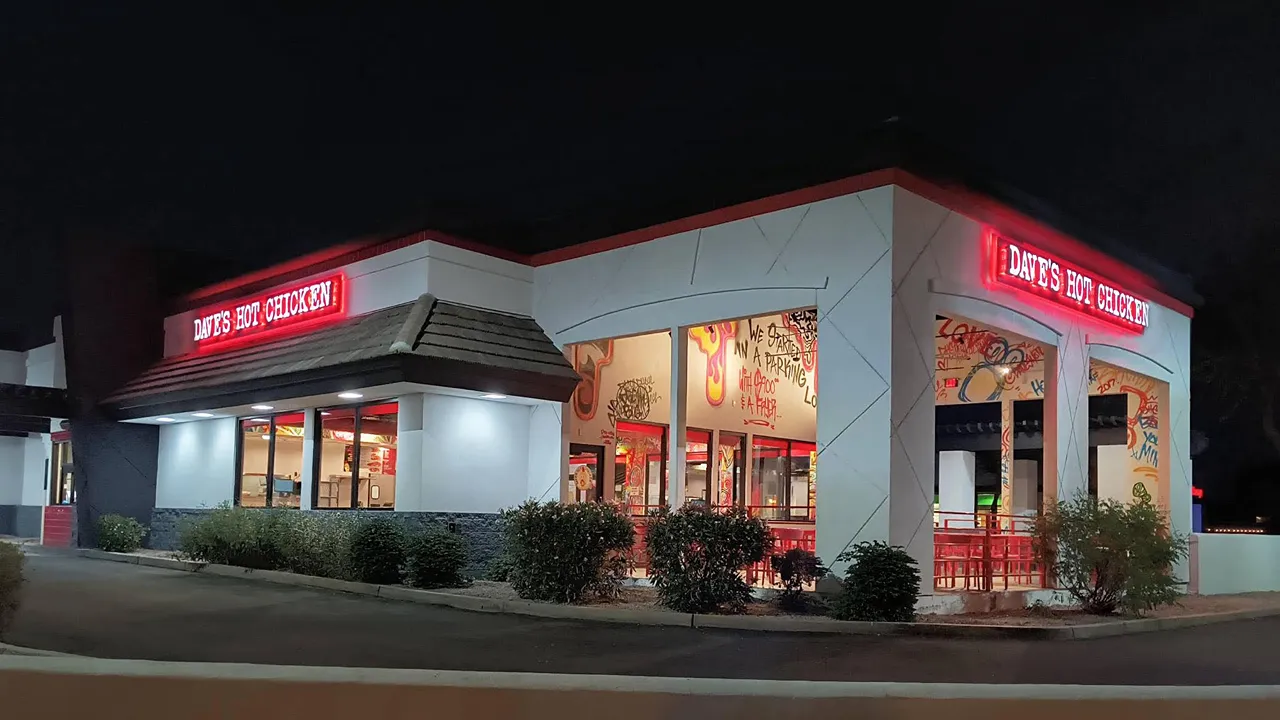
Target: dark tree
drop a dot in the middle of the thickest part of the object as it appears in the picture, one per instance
(1236, 339)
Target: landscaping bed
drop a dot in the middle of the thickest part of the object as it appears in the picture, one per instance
(1186, 606)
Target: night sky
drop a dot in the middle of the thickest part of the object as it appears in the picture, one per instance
(247, 133)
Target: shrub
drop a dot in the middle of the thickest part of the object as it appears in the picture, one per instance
(11, 561)
(499, 569)
(378, 551)
(696, 555)
(880, 585)
(245, 537)
(796, 568)
(1110, 555)
(563, 552)
(436, 558)
(117, 533)
(318, 543)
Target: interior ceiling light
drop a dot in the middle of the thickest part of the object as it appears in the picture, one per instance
(350, 395)
(261, 407)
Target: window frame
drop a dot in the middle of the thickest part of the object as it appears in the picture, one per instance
(318, 449)
(237, 485)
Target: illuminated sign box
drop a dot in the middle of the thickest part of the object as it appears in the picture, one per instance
(291, 308)
(1021, 266)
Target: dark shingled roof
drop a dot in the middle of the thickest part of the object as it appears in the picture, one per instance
(429, 342)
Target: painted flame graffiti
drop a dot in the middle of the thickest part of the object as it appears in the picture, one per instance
(714, 341)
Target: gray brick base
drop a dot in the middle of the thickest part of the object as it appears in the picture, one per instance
(481, 530)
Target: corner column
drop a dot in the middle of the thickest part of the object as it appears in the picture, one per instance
(1066, 418)
(409, 453)
(679, 402)
(310, 436)
(1006, 461)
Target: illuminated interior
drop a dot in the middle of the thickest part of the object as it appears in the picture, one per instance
(355, 466)
(750, 410)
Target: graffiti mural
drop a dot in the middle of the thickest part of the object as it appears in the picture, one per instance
(633, 400)
(714, 341)
(589, 359)
(803, 326)
(1006, 461)
(978, 364)
(1142, 423)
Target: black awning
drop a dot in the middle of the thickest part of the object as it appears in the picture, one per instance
(32, 401)
(428, 342)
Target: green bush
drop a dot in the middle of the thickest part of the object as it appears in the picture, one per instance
(117, 533)
(318, 543)
(499, 568)
(377, 552)
(11, 561)
(881, 584)
(796, 568)
(1110, 555)
(436, 558)
(563, 552)
(696, 555)
(245, 537)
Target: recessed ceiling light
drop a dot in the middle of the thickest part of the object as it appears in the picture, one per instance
(350, 395)
(261, 407)
(495, 396)
(266, 437)
(201, 414)
(164, 419)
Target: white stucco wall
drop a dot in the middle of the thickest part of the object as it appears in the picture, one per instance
(13, 367)
(1228, 563)
(546, 451)
(942, 272)
(12, 456)
(878, 265)
(833, 255)
(196, 464)
(399, 277)
(475, 454)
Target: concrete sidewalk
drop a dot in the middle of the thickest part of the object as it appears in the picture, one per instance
(104, 609)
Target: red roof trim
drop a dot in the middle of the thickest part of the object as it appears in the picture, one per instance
(963, 201)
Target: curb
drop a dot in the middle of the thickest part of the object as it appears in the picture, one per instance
(622, 616)
(7, 649)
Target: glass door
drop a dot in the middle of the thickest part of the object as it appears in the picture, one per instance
(732, 486)
(62, 488)
(586, 462)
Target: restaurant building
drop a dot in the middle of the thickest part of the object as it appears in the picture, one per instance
(973, 362)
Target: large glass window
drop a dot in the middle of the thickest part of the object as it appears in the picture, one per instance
(731, 488)
(642, 450)
(270, 461)
(697, 459)
(782, 472)
(356, 465)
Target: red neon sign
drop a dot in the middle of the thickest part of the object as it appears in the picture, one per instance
(1197, 493)
(1028, 269)
(273, 312)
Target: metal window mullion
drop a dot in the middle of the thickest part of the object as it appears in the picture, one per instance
(271, 460)
(355, 461)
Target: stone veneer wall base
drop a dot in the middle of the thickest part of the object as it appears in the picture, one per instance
(481, 530)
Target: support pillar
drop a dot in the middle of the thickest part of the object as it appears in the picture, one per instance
(1006, 460)
(679, 402)
(1026, 493)
(310, 435)
(1066, 418)
(409, 458)
(957, 480)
